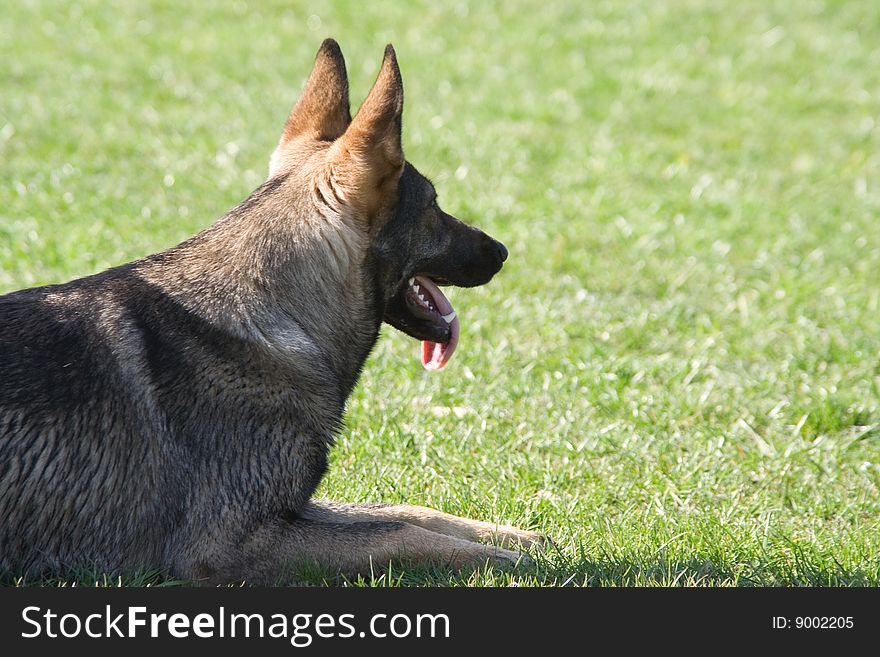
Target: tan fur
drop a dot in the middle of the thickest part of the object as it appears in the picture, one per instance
(355, 548)
(368, 159)
(322, 112)
(363, 164)
(327, 242)
(342, 178)
(430, 519)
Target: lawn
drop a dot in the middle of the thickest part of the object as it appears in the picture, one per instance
(676, 375)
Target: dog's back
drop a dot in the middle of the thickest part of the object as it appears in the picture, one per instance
(80, 468)
(114, 406)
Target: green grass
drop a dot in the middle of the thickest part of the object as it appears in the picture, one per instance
(677, 374)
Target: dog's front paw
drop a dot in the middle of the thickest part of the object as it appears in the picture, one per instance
(515, 537)
(541, 542)
(512, 558)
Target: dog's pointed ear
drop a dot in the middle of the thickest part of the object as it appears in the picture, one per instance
(376, 130)
(322, 111)
(368, 159)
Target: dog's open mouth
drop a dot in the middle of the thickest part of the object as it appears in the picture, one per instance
(426, 300)
(423, 312)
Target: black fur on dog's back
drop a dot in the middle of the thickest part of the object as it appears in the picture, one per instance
(125, 419)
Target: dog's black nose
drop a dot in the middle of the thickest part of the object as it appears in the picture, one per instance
(502, 250)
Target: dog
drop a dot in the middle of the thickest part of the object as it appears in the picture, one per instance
(175, 413)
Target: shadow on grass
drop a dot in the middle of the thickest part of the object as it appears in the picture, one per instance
(696, 572)
(552, 569)
(92, 579)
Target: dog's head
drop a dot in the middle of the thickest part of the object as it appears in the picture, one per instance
(355, 174)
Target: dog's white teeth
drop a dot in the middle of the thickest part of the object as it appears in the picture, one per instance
(421, 298)
(411, 281)
(449, 317)
(416, 290)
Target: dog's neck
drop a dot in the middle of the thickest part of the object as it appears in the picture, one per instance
(299, 287)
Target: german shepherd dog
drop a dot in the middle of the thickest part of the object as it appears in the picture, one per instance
(175, 413)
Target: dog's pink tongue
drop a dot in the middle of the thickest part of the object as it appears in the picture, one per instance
(436, 354)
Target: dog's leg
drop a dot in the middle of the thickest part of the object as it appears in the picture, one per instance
(350, 547)
(435, 521)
